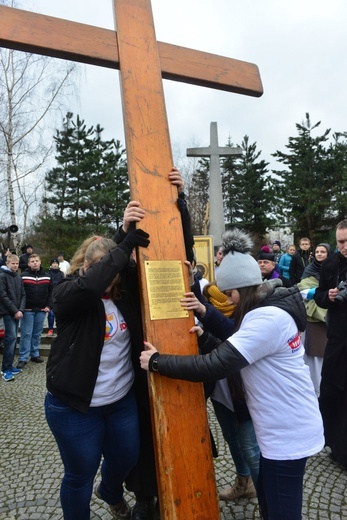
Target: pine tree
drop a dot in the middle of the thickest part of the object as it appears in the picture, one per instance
(337, 167)
(246, 190)
(88, 190)
(68, 182)
(305, 186)
(109, 185)
(229, 173)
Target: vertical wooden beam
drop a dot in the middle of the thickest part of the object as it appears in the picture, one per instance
(184, 462)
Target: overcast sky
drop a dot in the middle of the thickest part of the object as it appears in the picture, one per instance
(300, 47)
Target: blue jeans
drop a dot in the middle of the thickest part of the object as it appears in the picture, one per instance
(10, 340)
(30, 334)
(50, 319)
(241, 439)
(280, 488)
(111, 431)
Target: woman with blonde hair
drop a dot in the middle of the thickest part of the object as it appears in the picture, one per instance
(285, 261)
(98, 306)
(90, 404)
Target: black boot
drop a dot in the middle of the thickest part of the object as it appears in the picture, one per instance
(144, 510)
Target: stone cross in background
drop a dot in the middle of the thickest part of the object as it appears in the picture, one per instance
(216, 209)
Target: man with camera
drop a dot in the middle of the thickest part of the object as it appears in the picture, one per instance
(332, 295)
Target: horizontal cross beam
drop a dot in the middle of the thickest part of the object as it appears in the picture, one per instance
(49, 36)
(208, 151)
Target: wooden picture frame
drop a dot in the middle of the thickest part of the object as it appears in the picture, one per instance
(205, 256)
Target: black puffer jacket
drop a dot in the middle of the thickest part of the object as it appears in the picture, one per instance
(73, 363)
(23, 262)
(12, 293)
(225, 359)
(290, 300)
(297, 265)
(56, 276)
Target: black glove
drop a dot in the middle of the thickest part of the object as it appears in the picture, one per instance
(136, 237)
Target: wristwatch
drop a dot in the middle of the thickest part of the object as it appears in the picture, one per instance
(155, 365)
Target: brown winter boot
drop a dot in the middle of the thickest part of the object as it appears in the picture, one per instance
(242, 487)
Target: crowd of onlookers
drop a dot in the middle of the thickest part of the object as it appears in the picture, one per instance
(318, 275)
(25, 302)
(26, 288)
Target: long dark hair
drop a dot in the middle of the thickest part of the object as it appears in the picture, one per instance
(249, 300)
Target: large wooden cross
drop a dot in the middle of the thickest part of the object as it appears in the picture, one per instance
(184, 465)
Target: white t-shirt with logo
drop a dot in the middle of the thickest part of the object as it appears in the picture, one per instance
(116, 373)
(279, 391)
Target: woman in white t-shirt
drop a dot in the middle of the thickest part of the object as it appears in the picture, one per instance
(267, 349)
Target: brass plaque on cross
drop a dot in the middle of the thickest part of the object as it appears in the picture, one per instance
(165, 286)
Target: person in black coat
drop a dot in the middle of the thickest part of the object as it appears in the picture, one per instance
(12, 305)
(72, 369)
(300, 260)
(267, 266)
(331, 294)
(24, 258)
(90, 404)
(142, 479)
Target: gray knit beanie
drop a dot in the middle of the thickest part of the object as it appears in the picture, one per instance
(238, 268)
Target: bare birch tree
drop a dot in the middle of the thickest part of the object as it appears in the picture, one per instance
(33, 90)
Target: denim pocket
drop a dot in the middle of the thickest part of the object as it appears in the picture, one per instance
(54, 403)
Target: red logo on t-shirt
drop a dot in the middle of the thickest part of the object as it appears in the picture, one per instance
(295, 342)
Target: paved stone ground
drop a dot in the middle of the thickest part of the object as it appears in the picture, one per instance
(31, 470)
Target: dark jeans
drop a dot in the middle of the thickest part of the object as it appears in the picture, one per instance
(110, 431)
(10, 340)
(280, 488)
(50, 319)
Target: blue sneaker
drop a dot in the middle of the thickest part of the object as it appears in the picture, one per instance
(8, 376)
(15, 371)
